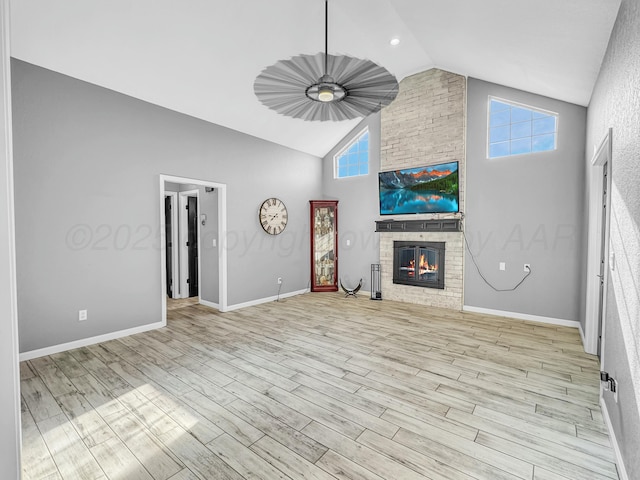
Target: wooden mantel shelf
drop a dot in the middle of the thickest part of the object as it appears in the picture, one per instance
(442, 225)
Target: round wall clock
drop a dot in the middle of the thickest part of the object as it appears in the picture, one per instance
(273, 216)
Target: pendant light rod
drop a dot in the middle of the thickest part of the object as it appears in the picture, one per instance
(326, 34)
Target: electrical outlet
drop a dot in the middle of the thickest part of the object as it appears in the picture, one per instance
(527, 267)
(502, 266)
(279, 280)
(82, 315)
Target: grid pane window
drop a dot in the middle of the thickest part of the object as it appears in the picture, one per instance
(353, 160)
(517, 129)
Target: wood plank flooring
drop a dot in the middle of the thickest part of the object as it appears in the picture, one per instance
(319, 387)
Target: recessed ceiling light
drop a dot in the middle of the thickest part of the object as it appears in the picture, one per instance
(394, 41)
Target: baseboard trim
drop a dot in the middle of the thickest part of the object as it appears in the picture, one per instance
(584, 343)
(259, 301)
(207, 303)
(42, 352)
(622, 471)
(523, 316)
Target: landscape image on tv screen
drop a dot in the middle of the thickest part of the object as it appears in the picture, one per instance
(428, 189)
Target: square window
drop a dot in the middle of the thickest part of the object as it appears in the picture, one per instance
(496, 105)
(544, 125)
(516, 129)
(499, 150)
(353, 159)
(520, 130)
(500, 118)
(522, 145)
(519, 114)
(544, 143)
(499, 134)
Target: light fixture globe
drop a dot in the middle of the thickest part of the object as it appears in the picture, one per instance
(326, 90)
(325, 87)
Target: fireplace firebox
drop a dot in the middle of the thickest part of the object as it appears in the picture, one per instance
(419, 263)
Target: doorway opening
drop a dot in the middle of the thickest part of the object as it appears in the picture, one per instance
(193, 232)
(598, 248)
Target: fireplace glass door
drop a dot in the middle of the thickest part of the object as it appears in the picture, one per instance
(324, 245)
(419, 263)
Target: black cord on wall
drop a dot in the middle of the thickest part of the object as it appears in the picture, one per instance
(473, 259)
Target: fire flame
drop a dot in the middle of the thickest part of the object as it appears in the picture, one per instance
(425, 267)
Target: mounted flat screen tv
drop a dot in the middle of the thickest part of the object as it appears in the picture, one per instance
(428, 189)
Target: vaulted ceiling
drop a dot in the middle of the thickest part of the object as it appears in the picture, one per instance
(200, 57)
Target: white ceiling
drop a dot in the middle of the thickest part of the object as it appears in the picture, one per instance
(200, 57)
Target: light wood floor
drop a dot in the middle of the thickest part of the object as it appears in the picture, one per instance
(320, 387)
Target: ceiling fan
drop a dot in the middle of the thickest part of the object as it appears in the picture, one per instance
(325, 87)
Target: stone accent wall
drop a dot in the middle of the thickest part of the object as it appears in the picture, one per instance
(450, 297)
(425, 125)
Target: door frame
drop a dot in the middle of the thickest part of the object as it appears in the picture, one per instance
(183, 250)
(174, 243)
(602, 157)
(222, 236)
(11, 436)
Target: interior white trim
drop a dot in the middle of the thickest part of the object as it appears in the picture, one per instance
(222, 238)
(259, 301)
(523, 316)
(174, 242)
(602, 156)
(6, 158)
(207, 303)
(63, 347)
(622, 471)
(581, 330)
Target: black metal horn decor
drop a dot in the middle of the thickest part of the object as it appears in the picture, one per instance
(325, 87)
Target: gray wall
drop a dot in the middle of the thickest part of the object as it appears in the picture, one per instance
(616, 103)
(525, 209)
(9, 394)
(87, 205)
(358, 209)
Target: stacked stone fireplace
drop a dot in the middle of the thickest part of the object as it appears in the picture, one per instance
(425, 125)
